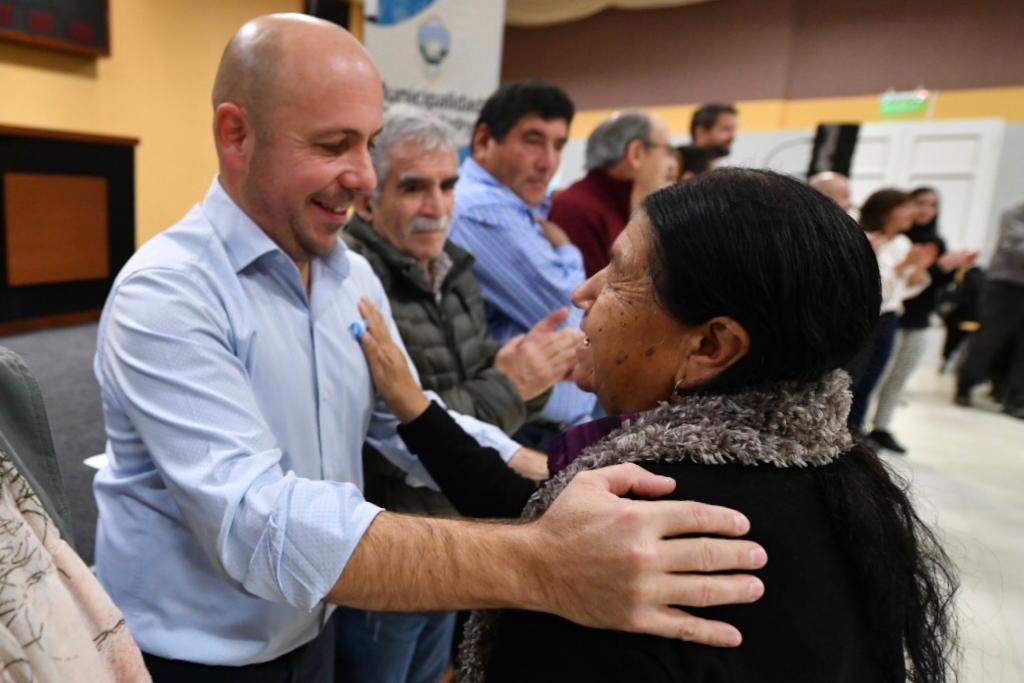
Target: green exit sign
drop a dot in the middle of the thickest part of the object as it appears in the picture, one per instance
(905, 102)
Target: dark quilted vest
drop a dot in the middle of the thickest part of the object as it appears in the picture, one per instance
(451, 347)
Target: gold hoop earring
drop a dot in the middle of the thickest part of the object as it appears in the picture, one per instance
(680, 385)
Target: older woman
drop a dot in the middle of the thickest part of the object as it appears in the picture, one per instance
(714, 339)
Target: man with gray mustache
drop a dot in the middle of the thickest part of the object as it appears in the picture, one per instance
(402, 230)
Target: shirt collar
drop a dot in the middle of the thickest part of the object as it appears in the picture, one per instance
(475, 173)
(245, 241)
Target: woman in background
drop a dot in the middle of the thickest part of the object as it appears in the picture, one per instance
(917, 312)
(885, 217)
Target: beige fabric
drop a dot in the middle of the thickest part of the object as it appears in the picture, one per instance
(535, 13)
(57, 624)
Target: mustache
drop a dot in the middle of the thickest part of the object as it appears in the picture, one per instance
(424, 224)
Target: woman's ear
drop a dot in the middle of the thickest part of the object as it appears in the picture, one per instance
(709, 350)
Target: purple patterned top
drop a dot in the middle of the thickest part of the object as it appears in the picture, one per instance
(569, 444)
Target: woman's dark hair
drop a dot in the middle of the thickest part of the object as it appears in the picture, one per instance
(512, 101)
(876, 208)
(931, 226)
(774, 255)
(799, 274)
(906, 580)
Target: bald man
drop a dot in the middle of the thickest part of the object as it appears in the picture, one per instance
(236, 405)
(833, 185)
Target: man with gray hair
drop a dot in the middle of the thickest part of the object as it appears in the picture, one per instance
(402, 230)
(628, 157)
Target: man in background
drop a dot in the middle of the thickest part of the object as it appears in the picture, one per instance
(714, 127)
(526, 265)
(833, 185)
(628, 156)
(1002, 319)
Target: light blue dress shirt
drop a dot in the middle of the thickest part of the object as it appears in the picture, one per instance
(236, 408)
(523, 277)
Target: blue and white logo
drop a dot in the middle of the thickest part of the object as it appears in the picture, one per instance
(434, 42)
(391, 12)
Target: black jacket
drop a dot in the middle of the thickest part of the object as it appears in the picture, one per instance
(810, 626)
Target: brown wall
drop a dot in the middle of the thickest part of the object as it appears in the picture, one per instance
(769, 49)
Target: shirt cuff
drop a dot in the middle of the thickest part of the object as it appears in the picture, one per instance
(305, 546)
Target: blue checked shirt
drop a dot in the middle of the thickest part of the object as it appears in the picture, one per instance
(522, 276)
(236, 408)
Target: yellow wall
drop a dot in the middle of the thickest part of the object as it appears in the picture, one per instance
(765, 115)
(155, 86)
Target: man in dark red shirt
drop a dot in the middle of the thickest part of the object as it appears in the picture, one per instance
(628, 157)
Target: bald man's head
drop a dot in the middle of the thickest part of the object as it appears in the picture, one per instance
(297, 103)
(833, 185)
(265, 60)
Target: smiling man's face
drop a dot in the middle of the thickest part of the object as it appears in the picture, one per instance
(305, 171)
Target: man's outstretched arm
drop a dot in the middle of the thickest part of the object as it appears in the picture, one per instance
(594, 557)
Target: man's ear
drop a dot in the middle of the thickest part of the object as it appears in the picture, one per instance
(634, 152)
(481, 136)
(711, 349)
(233, 134)
(364, 208)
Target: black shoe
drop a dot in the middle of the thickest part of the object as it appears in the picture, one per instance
(963, 398)
(1015, 412)
(886, 441)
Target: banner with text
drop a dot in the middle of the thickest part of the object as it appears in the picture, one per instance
(442, 55)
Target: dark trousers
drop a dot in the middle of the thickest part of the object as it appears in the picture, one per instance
(310, 663)
(869, 367)
(1002, 323)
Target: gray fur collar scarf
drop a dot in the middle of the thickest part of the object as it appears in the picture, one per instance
(789, 424)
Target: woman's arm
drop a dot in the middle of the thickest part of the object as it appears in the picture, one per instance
(475, 479)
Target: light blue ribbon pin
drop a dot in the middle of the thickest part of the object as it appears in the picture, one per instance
(358, 329)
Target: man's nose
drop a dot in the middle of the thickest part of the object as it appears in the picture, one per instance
(359, 176)
(433, 203)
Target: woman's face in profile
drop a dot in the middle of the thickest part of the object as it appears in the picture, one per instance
(633, 349)
(926, 208)
(900, 218)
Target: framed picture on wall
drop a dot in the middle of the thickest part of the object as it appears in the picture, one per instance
(77, 26)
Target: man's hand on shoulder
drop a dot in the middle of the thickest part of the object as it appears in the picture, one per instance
(594, 558)
(610, 562)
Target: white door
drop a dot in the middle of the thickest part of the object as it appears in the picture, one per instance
(958, 158)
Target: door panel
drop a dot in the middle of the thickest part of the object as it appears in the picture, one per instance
(957, 158)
